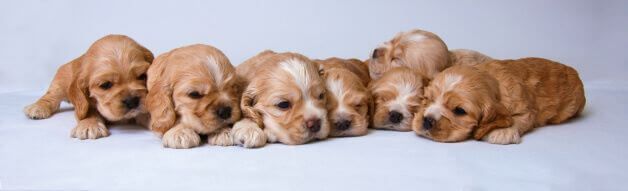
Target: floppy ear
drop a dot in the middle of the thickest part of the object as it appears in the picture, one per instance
(148, 56)
(248, 101)
(160, 106)
(493, 117)
(78, 90)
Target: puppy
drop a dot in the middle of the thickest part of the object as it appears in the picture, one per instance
(467, 57)
(192, 90)
(397, 96)
(105, 84)
(499, 101)
(284, 101)
(419, 50)
(348, 99)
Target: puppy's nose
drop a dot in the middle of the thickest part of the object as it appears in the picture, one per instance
(314, 125)
(395, 117)
(131, 102)
(343, 125)
(224, 112)
(428, 123)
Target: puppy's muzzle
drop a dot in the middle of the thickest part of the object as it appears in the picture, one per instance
(131, 102)
(428, 123)
(395, 117)
(343, 124)
(313, 125)
(224, 112)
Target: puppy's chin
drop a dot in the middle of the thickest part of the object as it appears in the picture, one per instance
(294, 133)
(443, 131)
(118, 112)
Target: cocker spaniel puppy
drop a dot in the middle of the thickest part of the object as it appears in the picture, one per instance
(397, 96)
(348, 99)
(284, 101)
(105, 84)
(192, 90)
(499, 101)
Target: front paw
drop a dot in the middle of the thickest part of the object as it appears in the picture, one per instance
(248, 134)
(90, 129)
(222, 137)
(38, 111)
(503, 136)
(181, 138)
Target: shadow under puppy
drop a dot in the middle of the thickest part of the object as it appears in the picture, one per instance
(284, 101)
(499, 101)
(105, 84)
(192, 90)
(348, 99)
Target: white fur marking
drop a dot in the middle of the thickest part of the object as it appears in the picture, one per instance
(451, 80)
(214, 69)
(298, 70)
(415, 37)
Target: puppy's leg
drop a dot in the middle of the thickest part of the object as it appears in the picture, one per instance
(49, 102)
(92, 127)
(522, 123)
(248, 134)
(181, 137)
(221, 137)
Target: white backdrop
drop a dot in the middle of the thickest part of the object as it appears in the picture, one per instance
(38, 36)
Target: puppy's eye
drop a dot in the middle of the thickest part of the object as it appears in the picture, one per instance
(195, 95)
(321, 96)
(357, 106)
(283, 105)
(142, 77)
(374, 56)
(459, 111)
(106, 85)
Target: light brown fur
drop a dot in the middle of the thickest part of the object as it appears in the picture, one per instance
(501, 100)
(192, 90)
(467, 57)
(114, 60)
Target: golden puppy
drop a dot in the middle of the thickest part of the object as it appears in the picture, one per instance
(397, 96)
(419, 50)
(192, 90)
(284, 101)
(108, 81)
(467, 57)
(348, 99)
(499, 101)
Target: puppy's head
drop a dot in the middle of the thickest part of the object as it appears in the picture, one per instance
(461, 102)
(397, 96)
(348, 103)
(417, 49)
(289, 96)
(195, 85)
(110, 78)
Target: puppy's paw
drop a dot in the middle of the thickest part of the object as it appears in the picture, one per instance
(38, 111)
(222, 137)
(503, 136)
(90, 129)
(248, 134)
(181, 138)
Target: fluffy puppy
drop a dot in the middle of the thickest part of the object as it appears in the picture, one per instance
(499, 101)
(105, 84)
(284, 101)
(348, 99)
(192, 90)
(419, 50)
(467, 57)
(397, 96)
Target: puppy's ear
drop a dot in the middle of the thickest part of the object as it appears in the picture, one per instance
(78, 90)
(148, 56)
(160, 106)
(248, 101)
(493, 117)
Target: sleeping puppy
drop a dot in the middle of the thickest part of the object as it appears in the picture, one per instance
(348, 99)
(499, 101)
(284, 101)
(419, 50)
(192, 90)
(467, 57)
(106, 84)
(397, 96)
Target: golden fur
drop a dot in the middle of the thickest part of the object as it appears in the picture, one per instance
(274, 80)
(467, 57)
(105, 84)
(348, 99)
(499, 101)
(396, 96)
(192, 90)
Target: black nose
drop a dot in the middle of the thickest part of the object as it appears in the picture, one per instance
(131, 102)
(314, 125)
(395, 117)
(224, 112)
(343, 125)
(428, 123)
